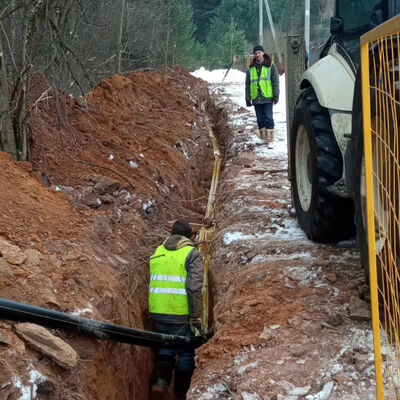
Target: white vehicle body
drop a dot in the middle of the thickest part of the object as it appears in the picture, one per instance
(332, 79)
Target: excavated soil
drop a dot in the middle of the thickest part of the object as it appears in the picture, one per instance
(109, 173)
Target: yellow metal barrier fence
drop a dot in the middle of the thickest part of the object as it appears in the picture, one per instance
(381, 113)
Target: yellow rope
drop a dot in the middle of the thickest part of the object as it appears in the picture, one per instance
(206, 232)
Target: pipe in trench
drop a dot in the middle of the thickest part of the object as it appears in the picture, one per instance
(21, 312)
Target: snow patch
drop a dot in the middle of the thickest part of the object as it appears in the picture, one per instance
(213, 392)
(250, 396)
(292, 390)
(290, 230)
(324, 393)
(243, 369)
(217, 75)
(29, 391)
(300, 274)
(295, 256)
(147, 206)
(79, 312)
(240, 358)
(231, 237)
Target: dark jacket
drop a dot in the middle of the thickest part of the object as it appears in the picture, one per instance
(274, 81)
(194, 281)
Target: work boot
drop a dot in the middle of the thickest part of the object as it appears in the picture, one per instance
(159, 389)
(161, 376)
(263, 133)
(270, 138)
(182, 383)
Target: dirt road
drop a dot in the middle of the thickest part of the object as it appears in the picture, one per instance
(288, 316)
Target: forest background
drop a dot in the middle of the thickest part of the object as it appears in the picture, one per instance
(73, 44)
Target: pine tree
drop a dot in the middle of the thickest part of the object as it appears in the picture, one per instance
(243, 12)
(181, 46)
(203, 12)
(225, 43)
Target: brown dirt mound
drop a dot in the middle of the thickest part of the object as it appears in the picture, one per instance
(82, 243)
(137, 119)
(30, 210)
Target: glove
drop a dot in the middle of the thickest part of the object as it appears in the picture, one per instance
(274, 102)
(196, 326)
(248, 103)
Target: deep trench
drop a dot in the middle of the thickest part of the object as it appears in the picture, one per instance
(144, 356)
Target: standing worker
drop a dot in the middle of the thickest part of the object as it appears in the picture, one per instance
(262, 90)
(176, 280)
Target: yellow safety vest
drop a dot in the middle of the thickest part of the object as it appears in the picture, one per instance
(262, 82)
(167, 289)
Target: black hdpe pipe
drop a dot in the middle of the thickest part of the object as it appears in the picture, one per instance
(21, 312)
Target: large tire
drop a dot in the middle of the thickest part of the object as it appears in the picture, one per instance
(316, 163)
(388, 228)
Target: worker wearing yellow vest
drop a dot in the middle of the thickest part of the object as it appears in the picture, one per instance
(176, 281)
(262, 91)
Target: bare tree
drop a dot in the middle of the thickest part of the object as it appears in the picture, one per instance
(119, 41)
(75, 46)
(6, 129)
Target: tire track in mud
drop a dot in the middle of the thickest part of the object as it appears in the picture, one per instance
(289, 321)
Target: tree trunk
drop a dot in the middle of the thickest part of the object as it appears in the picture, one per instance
(20, 131)
(119, 41)
(7, 139)
(167, 44)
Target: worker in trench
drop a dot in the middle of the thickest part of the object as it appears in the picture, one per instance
(262, 91)
(176, 280)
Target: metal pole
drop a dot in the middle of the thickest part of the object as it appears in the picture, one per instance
(307, 29)
(271, 23)
(295, 61)
(260, 18)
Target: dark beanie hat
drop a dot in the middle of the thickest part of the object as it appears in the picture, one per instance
(182, 227)
(257, 48)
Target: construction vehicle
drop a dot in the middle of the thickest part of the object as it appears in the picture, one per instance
(326, 135)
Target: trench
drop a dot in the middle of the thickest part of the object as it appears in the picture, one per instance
(121, 370)
(216, 130)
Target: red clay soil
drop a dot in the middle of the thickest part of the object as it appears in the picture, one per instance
(120, 164)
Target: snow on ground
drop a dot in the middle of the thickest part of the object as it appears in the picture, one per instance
(217, 75)
(261, 250)
(234, 86)
(28, 392)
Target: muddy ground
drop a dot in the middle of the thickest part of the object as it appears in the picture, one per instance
(109, 173)
(289, 320)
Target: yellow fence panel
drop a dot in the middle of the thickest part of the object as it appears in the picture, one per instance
(381, 114)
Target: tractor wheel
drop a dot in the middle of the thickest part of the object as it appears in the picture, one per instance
(316, 163)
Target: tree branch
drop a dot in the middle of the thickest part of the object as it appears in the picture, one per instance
(67, 48)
